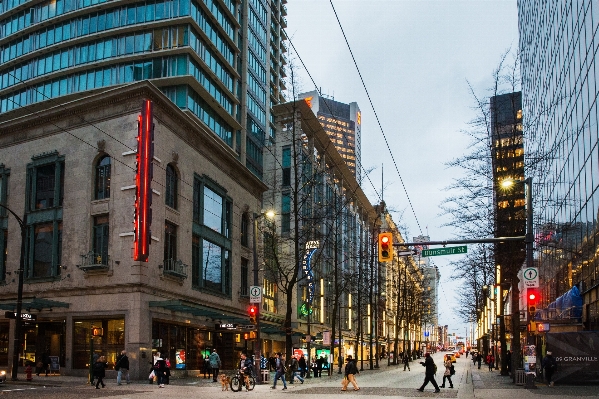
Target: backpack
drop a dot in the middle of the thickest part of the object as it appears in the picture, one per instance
(452, 370)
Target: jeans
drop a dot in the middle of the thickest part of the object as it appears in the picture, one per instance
(296, 374)
(280, 375)
(122, 372)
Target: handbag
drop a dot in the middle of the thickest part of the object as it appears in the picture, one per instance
(152, 375)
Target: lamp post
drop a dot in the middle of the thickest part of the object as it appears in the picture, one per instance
(529, 240)
(258, 343)
(18, 320)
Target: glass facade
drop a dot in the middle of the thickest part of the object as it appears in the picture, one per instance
(558, 43)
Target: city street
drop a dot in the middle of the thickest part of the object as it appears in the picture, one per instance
(388, 381)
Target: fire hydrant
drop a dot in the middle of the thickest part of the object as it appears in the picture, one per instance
(28, 372)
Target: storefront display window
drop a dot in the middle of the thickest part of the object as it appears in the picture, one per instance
(109, 344)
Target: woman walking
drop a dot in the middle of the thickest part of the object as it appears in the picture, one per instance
(447, 374)
(100, 371)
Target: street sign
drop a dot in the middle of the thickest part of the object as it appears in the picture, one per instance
(255, 294)
(225, 326)
(531, 277)
(462, 249)
(247, 327)
(24, 316)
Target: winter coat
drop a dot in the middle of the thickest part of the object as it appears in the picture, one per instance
(447, 367)
(122, 362)
(100, 369)
(429, 364)
(350, 368)
(214, 360)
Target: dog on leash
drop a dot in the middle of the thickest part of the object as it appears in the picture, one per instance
(225, 381)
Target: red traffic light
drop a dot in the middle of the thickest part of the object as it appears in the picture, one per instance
(385, 247)
(532, 297)
(252, 310)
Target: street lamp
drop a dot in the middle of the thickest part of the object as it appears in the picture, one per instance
(18, 320)
(516, 352)
(258, 344)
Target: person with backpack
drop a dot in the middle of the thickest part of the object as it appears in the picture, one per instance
(429, 373)
(295, 372)
(449, 371)
(280, 371)
(122, 367)
(550, 365)
(160, 370)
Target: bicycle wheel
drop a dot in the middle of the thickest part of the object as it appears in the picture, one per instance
(251, 383)
(236, 384)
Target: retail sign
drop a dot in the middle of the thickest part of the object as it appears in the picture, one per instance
(24, 316)
(255, 294)
(531, 277)
(226, 326)
(462, 249)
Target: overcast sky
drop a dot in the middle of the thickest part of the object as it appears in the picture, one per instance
(415, 58)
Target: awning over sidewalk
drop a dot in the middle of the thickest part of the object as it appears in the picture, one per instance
(34, 303)
(198, 310)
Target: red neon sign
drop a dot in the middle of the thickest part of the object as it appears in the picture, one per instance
(143, 180)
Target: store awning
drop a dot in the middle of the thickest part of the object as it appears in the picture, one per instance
(198, 310)
(34, 303)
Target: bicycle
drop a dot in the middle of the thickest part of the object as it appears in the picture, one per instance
(239, 380)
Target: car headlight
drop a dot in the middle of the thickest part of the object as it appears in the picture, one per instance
(2, 372)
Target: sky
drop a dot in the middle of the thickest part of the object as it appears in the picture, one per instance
(416, 58)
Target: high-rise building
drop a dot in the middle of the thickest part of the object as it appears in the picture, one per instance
(220, 60)
(343, 123)
(558, 45)
(507, 161)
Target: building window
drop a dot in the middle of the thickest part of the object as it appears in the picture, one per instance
(245, 227)
(102, 189)
(170, 195)
(245, 275)
(211, 266)
(170, 241)
(100, 239)
(4, 173)
(109, 344)
(286, 167)
(269, 303)
(45, 243)
(285, 213)
(46, 186)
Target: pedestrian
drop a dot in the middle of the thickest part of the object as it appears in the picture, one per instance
(280, 371)
(122, 367)
(302, 366)
(314, 367)
(350, 374)
(429, 373)
(160, 370)
(479, 359)
(45, 363)
(550, 365)
(319, 365)
(508, 360)
(295, 370)
(206, 367)
(448, 371)
(95, 358)
(214, 364)
(490, 361)
(474, 355)
(406, 363)
(100, 371)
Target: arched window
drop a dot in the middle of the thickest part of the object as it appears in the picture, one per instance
(102, 189)
(170, 197)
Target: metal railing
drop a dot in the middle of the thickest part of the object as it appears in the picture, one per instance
(174, 268)
(94, 261)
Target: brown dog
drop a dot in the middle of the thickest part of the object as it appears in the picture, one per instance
(225, 381)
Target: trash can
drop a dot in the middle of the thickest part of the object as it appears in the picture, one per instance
(520, 377)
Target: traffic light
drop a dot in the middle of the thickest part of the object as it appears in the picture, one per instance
(253, 312)
(385, 247)
(97, 331)
(532, 300)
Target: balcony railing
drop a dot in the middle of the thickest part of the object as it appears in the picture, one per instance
(175, 268)
(94, 261)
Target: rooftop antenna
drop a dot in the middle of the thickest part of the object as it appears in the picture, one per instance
(382, 182)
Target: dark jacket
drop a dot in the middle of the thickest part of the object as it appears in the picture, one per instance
(160, 366)
(350, 368)
(280, 368)
(549, 363)
(302, 363)
(100, 369)
(122, 362)
(430, 366)
(294, 364)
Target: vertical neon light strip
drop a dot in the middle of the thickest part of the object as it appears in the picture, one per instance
(322, 300)
(349, 312)
(143, 181)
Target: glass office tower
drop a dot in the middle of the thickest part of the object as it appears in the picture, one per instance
(214, 58)
(558, 44)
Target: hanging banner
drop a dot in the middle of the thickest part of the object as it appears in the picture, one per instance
(326, 338)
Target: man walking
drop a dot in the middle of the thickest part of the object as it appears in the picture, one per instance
(122, 366)
(550, 365)
(214, 364)
(280, 371)
(429, 373)
(295, 370)
(350, 374)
